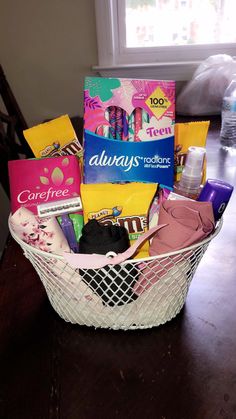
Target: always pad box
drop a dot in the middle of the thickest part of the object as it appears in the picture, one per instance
(129, 130)
(106, 161)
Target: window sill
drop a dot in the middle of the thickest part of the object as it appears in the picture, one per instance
(178, 71)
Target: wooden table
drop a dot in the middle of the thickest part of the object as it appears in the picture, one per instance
(185, 369)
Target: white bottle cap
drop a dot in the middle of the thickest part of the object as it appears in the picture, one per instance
(192, 173)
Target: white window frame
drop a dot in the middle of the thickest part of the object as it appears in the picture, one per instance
(173, 62)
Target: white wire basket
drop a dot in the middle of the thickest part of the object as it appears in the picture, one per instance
(105, 297)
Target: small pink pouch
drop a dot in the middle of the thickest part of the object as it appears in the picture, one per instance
(44, 234)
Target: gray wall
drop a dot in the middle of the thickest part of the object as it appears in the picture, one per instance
(46, 49)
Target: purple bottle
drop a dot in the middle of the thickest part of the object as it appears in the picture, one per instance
(217, 192)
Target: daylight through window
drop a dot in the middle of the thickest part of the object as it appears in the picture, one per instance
(153, 23)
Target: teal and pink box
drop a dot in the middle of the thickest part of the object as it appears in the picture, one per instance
(129, 130)
(37, 181)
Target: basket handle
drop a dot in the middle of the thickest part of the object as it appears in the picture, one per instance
(95, 261)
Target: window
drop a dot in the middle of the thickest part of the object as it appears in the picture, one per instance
(178, 22)
(168, 38)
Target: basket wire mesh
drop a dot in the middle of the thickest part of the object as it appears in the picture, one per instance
(139, 293)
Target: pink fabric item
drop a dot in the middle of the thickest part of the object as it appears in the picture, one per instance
(187, 223)
(44, 234)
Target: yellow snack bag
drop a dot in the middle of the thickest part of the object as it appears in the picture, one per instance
(54, 138)
(186, 135)
(120, 204)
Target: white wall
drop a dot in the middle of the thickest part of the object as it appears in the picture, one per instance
(47, 47)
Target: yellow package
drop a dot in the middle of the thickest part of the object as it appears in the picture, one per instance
(120, 204)
(186, 135)
(54, 138)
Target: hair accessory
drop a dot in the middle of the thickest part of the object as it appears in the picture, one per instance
(96, 261)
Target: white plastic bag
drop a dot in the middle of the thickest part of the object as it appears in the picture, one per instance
(204, 93)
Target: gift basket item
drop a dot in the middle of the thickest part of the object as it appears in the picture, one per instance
(135, 294)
